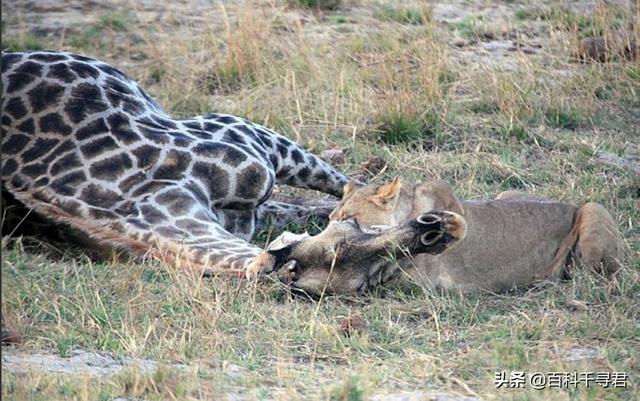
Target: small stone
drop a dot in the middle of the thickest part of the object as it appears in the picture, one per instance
(10, 336)
(335, 156)
(373, 165)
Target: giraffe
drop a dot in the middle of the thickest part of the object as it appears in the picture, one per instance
(86, 148)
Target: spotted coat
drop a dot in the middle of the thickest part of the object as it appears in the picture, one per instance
(85, 147)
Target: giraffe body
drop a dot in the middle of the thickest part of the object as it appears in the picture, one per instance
(84, 147)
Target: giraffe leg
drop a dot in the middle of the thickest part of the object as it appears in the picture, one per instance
(280, 214)
(599, 246)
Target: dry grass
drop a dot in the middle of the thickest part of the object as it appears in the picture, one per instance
(371, 76)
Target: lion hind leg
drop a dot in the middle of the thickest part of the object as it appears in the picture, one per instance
(599, 247)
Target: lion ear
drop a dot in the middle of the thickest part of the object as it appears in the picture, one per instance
(387, 193)
(349, 188)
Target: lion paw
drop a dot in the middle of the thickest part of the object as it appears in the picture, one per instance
(261, 264)
(444, 230)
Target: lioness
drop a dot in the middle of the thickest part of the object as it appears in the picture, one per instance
(511, 241)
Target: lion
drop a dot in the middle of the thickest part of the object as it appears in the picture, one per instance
(509, 242)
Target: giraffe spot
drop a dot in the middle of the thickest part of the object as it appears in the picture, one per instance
(283, 150)
(41, 182)
(140, 225)
(127, 208)
(284, 172)
(61, 72)
(322, 176)
(304, 173)
(100, 214)
(116, 85)
(6, 120)
(95, 195)
(193, 227)
(181, 140)
(131, 181)
(109, 70)
(133, 107)
(85, 99)
(98, 146)
(23, 75)
(173, 166)
(164, 122)
(111, 168)
(215, 178)
(53, 122)
(150, 188)
(16, 108)
(65, 163)
(18, 182)
(159, 137)
(253, 182)
(248, 133)
(120, 127)
(209, 149)
(44, 95)
(212, 127)
(39, 148)
(59, 150)
(233, 137)
(48, 57)
(149, 123)
(230, 154)
(274, 160)
(226, 120)
(265, 137)
(176, 202)
(34, 170)
(84, 70)
(94, 128)
(9, 60)
(196, 125)
(9, 167)
(146, 156)
(27, 126)
(171, 232)
(128, 103)
(195, 189)
(14, 144)
(152, 215)
(81, 58)
(200, 134)
(297, 156)
(67, 184)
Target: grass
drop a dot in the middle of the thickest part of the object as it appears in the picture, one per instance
(404, 15)
(22, 43)
(387, 87)
(316, 4)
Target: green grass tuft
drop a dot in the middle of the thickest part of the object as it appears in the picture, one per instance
(404, 15)
(402, 128)
(316, 4)
(21, 43)
(563, 118)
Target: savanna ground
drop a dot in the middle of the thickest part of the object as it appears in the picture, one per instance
(483, 94)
